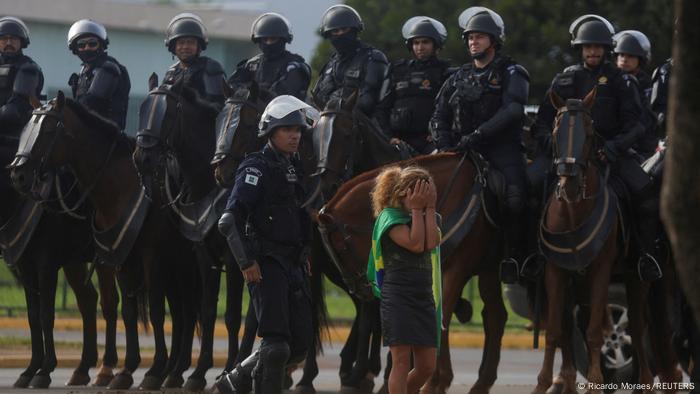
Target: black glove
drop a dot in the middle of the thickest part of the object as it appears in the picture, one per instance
(470, 141)
(610, 151)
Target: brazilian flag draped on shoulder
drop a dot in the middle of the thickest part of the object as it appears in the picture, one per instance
(375, 266)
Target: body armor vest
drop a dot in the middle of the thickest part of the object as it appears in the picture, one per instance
(415, 84)
(342, 76)
(268, 71)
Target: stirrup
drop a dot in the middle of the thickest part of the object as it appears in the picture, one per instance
(509, 271)
(532, 266)
(652, 269)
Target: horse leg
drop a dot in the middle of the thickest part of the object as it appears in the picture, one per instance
(494, 316)
(660, 333)
(47, 295)
(637, 307)
(31, 295)
(565, 382)
(109, 302)
(368, 315)
(556, 288)
(598, 280)
(153, 378)
(86, 297)
(310, 371)
(123, 379)
(234, 311)
(210, 273)
(349, 350)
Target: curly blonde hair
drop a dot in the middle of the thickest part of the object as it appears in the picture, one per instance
(392, 184)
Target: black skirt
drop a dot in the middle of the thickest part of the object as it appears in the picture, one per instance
(407, 308)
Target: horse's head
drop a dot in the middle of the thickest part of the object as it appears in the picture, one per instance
(236, 131)
(43, 147)
(175, 129)
(334, 140)
(573, 139)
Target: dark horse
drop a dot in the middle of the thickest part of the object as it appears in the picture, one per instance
(581, 233)
(36, 243)
(175, 144)
(347, 223)
(146, 250)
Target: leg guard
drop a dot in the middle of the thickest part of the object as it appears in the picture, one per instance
(270, 371)
(239, 381)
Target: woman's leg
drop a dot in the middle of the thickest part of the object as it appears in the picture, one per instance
(401, 363)
(424, 360)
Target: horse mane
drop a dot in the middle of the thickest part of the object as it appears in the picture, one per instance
(92, 119)
(367, 175)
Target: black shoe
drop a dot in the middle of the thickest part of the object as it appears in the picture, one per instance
(233, 383)
(648, 268)
(509, 271)
(532, 267)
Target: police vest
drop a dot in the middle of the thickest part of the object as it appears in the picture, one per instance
(119, 102)
(8, 72)
(478, 93)
(415, 85)
(192, 76)
(268, 71)
(343, 77)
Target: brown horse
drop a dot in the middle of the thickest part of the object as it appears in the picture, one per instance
(151, 259)
(580, 233)
(346, 220)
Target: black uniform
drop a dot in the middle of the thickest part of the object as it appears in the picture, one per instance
(618, 115)
(490, 100)
(20, 78)
(359, 68)
(273, 230)
(103, 86)
(408, 98)
(284, 73)
(646, 146)
(205, 75)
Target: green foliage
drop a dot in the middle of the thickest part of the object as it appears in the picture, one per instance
(537, 31)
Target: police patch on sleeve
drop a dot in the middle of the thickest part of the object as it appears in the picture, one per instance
(251, 179)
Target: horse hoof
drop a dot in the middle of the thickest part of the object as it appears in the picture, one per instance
(22, 382)
(300, 389)
(103, 377)
(78, 379)
(121, 381)
(150, 383)
(173, 382)
(195, 384)
(366, 386)
(556, 388)
(40, 382)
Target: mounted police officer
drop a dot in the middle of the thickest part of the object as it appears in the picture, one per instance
(481, 107)
(20, 79)
(267, 231)
(633, 52)
(354, 67)
(411, 85)
(186, 38)
(616, 117)
(275, 68)
(103, 84)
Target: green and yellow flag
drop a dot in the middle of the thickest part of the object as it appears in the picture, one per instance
(375, 266)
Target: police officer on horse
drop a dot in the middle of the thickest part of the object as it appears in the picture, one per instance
(481, 107)
(20, 79)
(186, 38)
(354, 67)
(268, 232)
(411, 85)
(616, 117)
(103, 83)
(275, 68)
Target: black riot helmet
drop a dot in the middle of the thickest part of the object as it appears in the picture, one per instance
(186, 24)
(338, 17)
(86, 27)
(633, 42)
(271, 24)
(12, 26)
(423, 26)
(591, 29)
(483, 20)
(286, 110)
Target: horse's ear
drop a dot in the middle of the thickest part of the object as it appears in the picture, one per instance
(589, 100)
(60, 101)
(556, 100)
(349, 103)
(152, 81)
(34, 102)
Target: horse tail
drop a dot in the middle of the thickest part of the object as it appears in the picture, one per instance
(142, 305)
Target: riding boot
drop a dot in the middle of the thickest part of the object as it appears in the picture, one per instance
(533, 265)
(240, 380)
(648, 267)
(510, 266)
